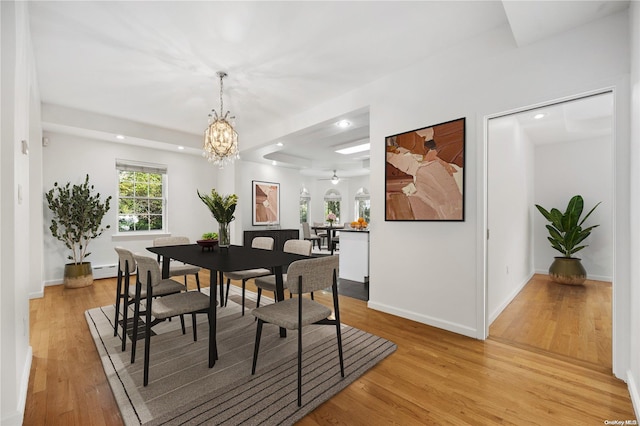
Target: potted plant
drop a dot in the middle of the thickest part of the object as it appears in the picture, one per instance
(77, 216)
(208, 240)
(222, 207)
(565, 235)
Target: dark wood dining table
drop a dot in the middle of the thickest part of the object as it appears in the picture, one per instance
(331, 232)
(221, 260)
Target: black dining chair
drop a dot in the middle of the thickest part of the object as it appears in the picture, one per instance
(303, 276)
(163, 307)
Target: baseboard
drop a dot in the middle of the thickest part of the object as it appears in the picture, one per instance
(495, 314)
(634, 392)
(434, 322)
(16, 417)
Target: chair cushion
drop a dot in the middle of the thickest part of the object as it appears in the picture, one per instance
(247, 274)
(285, 313)
(179, 303)
(182, 269)
(269, 282)
(164, 287)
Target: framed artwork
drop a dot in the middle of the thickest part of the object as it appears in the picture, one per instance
(424, 173)
(266, 203)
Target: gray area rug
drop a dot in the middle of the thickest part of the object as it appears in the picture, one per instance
(183, 390)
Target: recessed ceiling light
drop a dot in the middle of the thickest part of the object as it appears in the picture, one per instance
(273, 163)
(279, 144)
(354, 149)
(181, 147)
(539, 115)
(120, 137)
(343, 123)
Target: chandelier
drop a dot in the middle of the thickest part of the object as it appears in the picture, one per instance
(220, 138)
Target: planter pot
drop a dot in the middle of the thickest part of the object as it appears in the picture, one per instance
(78, 275)
(567, 270)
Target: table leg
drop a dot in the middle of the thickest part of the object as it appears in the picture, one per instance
(213, 346)
(165, 267)
(277, 271)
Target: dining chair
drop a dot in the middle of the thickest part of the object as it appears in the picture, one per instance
(303, 276)
(177, 269)
(163, 307)
(126, 267)
(264, 243)
(268, 282)
(311, 236)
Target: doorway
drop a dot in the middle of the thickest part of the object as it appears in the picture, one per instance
(545, 155)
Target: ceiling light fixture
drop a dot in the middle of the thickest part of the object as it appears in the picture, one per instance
(539, 116)
(220, 138)
(181, 147)
(354, 149)
(279, 144)
(120, 137)
(335, 179)
(343, 123)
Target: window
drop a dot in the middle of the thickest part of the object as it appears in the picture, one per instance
(332, 200)
(141, 197)
(363, 204)
(305, 197)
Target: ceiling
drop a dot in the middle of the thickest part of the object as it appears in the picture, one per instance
(155, 63)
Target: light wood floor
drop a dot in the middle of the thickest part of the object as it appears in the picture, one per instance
(435, 377)
(566, 320)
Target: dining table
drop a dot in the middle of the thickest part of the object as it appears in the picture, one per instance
(331, 232)
(226, 259)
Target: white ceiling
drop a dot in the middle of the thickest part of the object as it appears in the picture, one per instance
(155, 63)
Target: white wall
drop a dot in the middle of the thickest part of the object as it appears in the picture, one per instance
(19, 117)
(633, 375)
(433, 272)
(567, 169)
(510, 189)
(68, 158)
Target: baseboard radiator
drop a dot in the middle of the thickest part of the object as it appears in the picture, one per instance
(105, 271)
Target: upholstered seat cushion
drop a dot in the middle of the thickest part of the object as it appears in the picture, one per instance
(178, 269)
(247, 274)
(179, 304)
(269, 282)
(167, 286)
(285, 313)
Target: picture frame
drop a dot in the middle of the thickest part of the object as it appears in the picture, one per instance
(425, 173)
(266, 203)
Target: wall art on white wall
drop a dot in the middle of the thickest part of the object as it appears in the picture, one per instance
(266, 203)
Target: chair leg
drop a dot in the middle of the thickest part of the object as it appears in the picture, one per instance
(195, 330)
(226, 299)
(244, 284)
(299, 366)
(118, 297)
(312, 296)
(136, 314)
(125, 313)
(147, 345)
(184, 330)
(198, 281)
(339, 335)
(256, 346)
(258, 300)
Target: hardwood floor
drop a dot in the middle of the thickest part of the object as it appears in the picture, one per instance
(435, 377)
(566, 320)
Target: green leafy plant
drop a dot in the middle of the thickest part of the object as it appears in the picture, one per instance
(565, 230)
(210, 236)
(77, 216)
(222, 207)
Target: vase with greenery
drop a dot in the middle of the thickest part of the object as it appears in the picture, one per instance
(77, 217)
(222, 207)
(566, 235)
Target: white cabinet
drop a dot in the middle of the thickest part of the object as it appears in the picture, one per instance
(354, 255)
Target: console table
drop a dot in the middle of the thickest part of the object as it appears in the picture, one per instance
(279, 236)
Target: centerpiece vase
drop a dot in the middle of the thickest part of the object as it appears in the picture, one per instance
(224, 234)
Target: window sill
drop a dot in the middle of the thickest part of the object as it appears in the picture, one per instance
(131, 236)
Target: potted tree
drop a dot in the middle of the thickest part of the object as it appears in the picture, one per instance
(77, 216)
(565, 235)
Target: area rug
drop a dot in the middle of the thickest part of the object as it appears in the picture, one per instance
(183, 390)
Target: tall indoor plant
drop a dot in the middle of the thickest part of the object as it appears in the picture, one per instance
(222, 207)
(77, 217)
(565, 235)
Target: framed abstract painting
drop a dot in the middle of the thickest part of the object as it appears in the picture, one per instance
(266, 203)
(424, 173)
